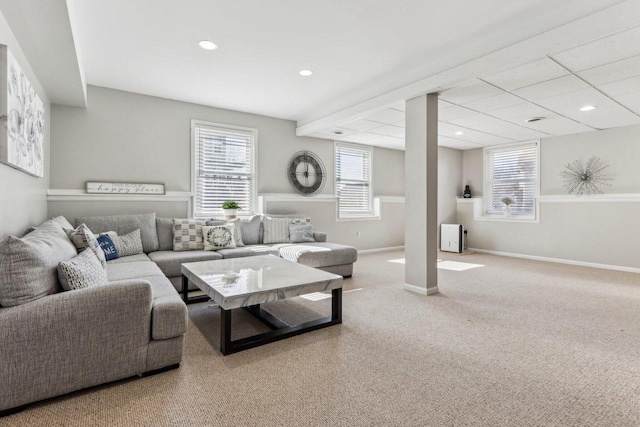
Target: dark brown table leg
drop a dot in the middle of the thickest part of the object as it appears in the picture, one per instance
(225, 331)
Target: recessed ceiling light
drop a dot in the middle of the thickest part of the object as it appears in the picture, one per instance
(207, 44)
(588, 108)
(534, 119)
(459, 133)
(305, 73)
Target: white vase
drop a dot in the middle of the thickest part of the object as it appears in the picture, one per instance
(230, 213)
(507, 211)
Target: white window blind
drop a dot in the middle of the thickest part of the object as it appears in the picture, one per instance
(224, 168)
(353, 180)
(512, 172)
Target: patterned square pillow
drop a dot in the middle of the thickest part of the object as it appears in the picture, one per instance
(83, 238)
(187, 234)
(81, 271)
(301, 233)
(219, 237)
(237, 234)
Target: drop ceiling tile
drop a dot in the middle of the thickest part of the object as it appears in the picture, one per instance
(389, 130)
(444, 141)
(451, 112)
(389, 140)
(555, 87)
(612, 72)
(494, 126)
(387, 116)
(608, 114)
(519, 113)
(470, 135)
(399, 107)
(631, 101)
(603, 51)
(468, 92)
(495, 102)
(360, 125)
(557, 125)
(526, 75)
(621, 87)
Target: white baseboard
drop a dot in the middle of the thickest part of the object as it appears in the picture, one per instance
(390, 248)
(420, 290)
(559, 261)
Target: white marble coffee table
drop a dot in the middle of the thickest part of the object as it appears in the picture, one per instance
(250, 281)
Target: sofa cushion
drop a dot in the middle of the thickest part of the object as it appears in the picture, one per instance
(123, 224)
(81, 271)
(252, 231)
(170, 261)
(187, 235)
(132, 258)
(337, 255)
(165, 233)
(168, 312)
(132, 270)
(28, 265)
(62, 222)
(249, 250)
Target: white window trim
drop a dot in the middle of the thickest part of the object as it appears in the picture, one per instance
(487, 191)
(254, 131)
(375, 202)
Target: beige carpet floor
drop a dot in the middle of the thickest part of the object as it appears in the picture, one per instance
(513, 342)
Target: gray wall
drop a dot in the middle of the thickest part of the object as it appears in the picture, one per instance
(594, 232)
(123, 136)
(23, 198)
(449, 184)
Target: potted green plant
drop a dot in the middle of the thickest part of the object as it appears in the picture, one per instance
(231, 208)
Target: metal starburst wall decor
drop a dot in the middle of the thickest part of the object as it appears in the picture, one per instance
(586, 178)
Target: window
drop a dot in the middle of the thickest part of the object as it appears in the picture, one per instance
(353, 180)
(224, 167)
(512, 171)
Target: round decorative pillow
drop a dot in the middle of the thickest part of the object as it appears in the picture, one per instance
(218, 237)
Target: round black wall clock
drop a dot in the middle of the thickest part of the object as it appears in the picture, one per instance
(306, 173)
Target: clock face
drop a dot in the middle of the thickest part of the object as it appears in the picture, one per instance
(306, 173)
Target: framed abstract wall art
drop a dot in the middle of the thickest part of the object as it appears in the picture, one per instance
(22, 116)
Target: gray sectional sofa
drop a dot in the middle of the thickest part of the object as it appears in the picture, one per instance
(55, 342)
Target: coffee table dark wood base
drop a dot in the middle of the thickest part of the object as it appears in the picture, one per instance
(280, 330)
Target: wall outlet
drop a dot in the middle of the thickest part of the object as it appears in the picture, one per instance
(358, 234)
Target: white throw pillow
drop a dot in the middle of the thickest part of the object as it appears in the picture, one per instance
(219, 237)
(81, 271)
(237, 234)
(83, 238)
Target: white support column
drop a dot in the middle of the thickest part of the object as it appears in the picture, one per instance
(421, 194)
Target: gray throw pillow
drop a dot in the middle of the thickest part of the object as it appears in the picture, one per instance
(251, 230)
(127, 245)
(301, 233)
(81, 271)
(28, 265)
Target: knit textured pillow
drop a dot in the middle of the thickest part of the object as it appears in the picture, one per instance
(187, 234)
(127, 245)
(81, 271)
(301, 233)
(219, 237)
(83, 238)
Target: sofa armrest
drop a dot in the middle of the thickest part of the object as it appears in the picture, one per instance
(320, 236)
(72, 340)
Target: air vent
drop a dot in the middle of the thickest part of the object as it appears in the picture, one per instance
(337, 132)
(534, 119)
